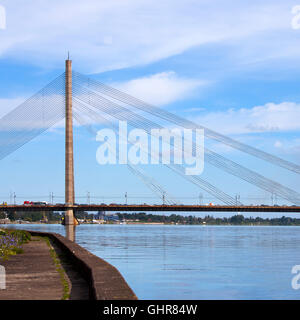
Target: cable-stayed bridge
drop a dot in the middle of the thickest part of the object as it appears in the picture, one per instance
(151, 208)
(73, 95)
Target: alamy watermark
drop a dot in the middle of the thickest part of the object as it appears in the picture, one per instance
(2, 17)
(296, 279)
(152, 147)
(2, 278)
(296, 17)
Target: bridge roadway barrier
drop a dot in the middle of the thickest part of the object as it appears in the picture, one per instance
(104, 280)
(144, 208)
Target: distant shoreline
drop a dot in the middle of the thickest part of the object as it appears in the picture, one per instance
(141, 218)
(155, 224)
(176, 219)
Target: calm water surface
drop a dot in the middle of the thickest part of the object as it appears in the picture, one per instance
(196, 262)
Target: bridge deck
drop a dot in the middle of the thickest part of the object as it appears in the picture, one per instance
(169, 208)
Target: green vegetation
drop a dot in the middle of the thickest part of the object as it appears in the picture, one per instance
(84, 215)
(34, 216)
(11, 242)
(142, 217)
(59, 269)
(208, 220)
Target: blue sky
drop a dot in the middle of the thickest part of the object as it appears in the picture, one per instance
(232, 66)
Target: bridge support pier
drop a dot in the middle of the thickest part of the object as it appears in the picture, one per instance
(69, 218)
(69, 158)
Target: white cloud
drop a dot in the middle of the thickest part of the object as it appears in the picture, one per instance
(288, 145)
(270, 117)
(7, 105)
(105, 35)
(161, 88)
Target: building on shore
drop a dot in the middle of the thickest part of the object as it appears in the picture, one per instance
(5, 221)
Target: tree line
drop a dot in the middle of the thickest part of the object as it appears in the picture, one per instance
(36, 216)
(210, 220)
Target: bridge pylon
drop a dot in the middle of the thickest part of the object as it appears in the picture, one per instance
(69, 157)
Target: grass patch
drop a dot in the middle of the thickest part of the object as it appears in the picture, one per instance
(59, 269)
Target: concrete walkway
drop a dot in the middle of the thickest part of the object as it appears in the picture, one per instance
(32, 275)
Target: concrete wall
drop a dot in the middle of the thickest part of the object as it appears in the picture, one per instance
(105, 281)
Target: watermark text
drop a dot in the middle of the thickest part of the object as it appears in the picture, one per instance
(2, 18)
(296, 279)
(155, 146)
(296, 17)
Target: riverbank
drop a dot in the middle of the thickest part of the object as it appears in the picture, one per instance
(283, 223)
(33, 275)
(173, 219)
(53, 268)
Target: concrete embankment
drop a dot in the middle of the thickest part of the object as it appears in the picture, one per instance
(32, 275)
(89, 276)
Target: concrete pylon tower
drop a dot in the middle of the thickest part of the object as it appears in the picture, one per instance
(69, 158)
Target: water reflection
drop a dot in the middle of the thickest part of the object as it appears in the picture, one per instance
(194, 262)
(70, 232)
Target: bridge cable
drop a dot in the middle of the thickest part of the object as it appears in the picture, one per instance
(213, 158)
(161, 113)
(204, 185)
(149, 182)
(33, 117)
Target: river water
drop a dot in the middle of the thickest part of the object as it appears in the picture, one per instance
(196, 262)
